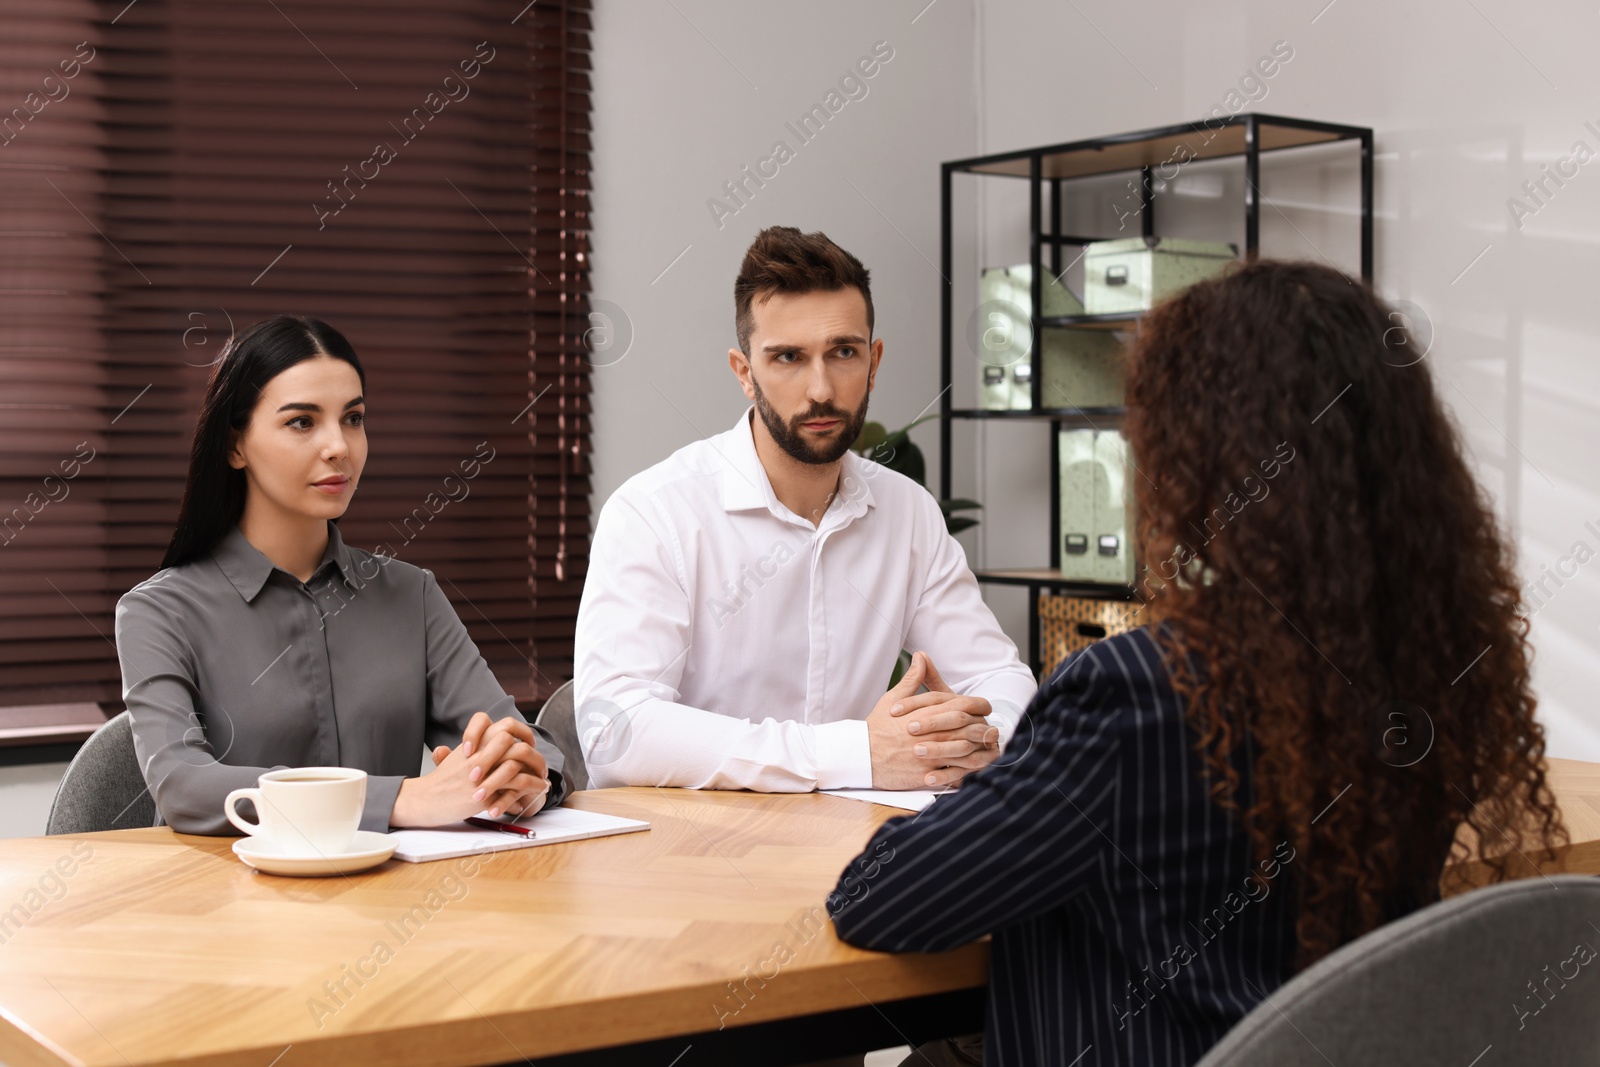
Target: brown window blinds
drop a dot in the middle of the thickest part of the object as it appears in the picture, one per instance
(57, 394)
(415, 174)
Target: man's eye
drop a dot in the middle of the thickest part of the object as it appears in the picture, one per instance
(847, 352)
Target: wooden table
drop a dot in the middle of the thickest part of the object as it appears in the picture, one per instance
(163, 948)
(1576, 786)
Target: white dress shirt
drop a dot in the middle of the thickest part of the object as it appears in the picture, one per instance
(724, 642)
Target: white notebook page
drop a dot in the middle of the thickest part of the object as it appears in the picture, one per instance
(550, 827)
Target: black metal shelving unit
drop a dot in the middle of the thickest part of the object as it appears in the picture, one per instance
(1047, 170)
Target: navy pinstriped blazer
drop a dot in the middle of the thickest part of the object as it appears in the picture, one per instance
(1127, 929)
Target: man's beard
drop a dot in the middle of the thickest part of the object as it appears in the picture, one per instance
(789, 435)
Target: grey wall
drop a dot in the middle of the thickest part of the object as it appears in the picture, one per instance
(25, 795)
(688, 93)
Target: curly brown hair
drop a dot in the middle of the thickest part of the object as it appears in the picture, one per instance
(1333, 596)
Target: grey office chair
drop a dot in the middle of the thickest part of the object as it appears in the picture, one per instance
(1491, 977)
(560, 718)
(103, 788)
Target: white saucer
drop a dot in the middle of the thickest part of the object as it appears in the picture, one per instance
(367, 850)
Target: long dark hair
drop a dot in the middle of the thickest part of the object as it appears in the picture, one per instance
(1336, 596)
(213, 494)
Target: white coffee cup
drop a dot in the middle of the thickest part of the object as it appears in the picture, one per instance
(311, 811)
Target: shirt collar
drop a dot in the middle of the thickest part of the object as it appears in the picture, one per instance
(244, 565)
(745, 484)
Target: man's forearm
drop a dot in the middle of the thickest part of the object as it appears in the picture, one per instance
(660, 743)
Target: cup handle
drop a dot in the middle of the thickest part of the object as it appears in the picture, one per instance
(233, 815)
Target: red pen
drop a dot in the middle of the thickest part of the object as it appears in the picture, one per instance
(503, 827)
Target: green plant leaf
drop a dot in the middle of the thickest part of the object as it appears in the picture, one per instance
(900, 434)
(872, 435)
(904, 458)
(898, 452)
(901, 665)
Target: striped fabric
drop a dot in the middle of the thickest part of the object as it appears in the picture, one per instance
(1127, 929)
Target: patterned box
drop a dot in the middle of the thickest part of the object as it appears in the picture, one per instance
(1068, 623)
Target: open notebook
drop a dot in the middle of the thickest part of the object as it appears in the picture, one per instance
(550, 826)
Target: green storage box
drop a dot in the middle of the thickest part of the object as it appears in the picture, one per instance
(1001, 333)
(1076, 460)
(1131, 275)
(1014, 285)
(1094, 507)
(994, 387)
(1082, 369)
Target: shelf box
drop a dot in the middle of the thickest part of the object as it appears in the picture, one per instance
(1082, 368)
(1133, 274)
(1094, 546)
(1070, 623)
(1014, 286)
(1002, 333)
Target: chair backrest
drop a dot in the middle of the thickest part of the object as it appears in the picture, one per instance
(559, 717)
(1513, 968)
(103, 788)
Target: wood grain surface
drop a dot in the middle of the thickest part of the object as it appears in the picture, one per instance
(1576, 786)
(146, 946)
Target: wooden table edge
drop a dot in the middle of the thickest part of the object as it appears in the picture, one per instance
(26, 1047)
(512, 1035)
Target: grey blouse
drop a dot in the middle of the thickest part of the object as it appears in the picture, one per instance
(232, 667)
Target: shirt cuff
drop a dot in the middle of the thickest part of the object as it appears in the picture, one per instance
(381, 794)
(1005, 717)
(558, 789)
(844, 755)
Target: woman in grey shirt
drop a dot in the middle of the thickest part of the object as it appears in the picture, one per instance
(265, 641)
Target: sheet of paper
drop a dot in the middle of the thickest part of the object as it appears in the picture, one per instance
(549, 827)
(909, 799)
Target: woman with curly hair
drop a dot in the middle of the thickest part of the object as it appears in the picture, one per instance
(1332, 681)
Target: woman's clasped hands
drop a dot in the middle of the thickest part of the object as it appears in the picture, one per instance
(496, 767)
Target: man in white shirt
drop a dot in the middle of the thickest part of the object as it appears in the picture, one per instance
(747, 598)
